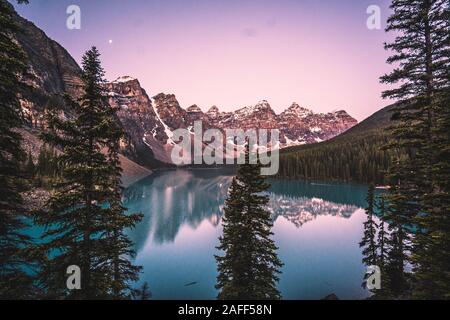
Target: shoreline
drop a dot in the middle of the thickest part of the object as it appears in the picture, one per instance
(132, 172)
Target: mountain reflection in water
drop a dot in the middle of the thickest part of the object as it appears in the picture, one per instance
(171, 199)
(317, 227)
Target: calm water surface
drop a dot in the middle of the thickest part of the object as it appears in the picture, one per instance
(317, 228)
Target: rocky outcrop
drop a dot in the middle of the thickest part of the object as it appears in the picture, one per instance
(260, 115)
(194, 113)
(170, 112)
(51, 70)
(145, 133)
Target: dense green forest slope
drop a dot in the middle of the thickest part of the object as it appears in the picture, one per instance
(356, 155)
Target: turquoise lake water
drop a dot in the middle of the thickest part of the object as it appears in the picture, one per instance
(318, 227)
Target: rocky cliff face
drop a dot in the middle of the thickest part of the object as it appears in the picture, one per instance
(148, 121)
(51, 70)
(145, 134)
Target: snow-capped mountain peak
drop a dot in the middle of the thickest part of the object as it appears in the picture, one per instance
(123, 79)
(297, 125)
(296, 110)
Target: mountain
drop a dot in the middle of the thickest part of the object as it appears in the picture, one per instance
(301, 126)
(145, 133)
(150, 119)
(374, 125)
(297, 125)
(164, 114)
(356, 155)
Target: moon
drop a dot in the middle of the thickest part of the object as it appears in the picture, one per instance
(110, 41)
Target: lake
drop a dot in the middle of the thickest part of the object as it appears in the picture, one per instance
(317, 227)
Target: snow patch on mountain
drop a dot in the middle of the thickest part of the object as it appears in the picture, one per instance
(169, 133)
(291, 143)
(124, 79)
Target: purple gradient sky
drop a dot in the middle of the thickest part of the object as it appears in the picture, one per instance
(233, 53)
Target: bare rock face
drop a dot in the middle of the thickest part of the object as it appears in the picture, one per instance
(260, 115)
(194, 109)
(170, 112)
(51, 70)
(144, 131)
(219, 119)
(213, 113)
(299, 125)
(194, 113)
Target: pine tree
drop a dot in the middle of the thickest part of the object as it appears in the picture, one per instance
(385, 291)
(421, 53)
(356, 158)
(30, 168)
(47, 162)
(399, 213)
(368, 242)
(85, 220)
(431, 254)
(382, 233)
(14, 282)
(234, 266)
(123, 272)
(143, 293)
(249, 268)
